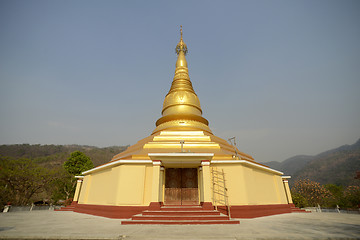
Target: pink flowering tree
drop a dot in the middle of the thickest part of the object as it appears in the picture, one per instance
(307, 193)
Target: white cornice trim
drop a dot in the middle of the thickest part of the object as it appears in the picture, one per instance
(249, 163)
(168, 159)
(181, 154)
(118, 162)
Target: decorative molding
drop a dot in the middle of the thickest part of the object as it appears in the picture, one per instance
(249, 163)
(181, 154)
(205, 163)
(118, 162)
(156, 162)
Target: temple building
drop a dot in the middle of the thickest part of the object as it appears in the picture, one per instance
(182, 166)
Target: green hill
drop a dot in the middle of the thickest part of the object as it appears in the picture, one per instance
(55, 155)
(336, 166)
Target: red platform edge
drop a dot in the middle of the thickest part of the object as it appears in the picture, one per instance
(122, 212)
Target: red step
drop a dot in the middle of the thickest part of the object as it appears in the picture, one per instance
(174, 213)
(298, 210)
(180, 222)
(181, 207)
(187, 217)
(180, 215)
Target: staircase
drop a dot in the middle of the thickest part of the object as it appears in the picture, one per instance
(180, 215)
(297, 210)
(68, 208)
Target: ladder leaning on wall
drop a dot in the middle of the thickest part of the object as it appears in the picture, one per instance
(220, 192)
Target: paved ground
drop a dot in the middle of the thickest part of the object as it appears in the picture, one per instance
(70, 225)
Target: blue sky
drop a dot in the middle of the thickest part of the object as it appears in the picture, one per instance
(283, 77)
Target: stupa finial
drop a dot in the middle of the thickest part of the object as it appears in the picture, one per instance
(181, 32)
(181, 46)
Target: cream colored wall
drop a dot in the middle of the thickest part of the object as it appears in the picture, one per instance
(235, 183)
(83, 195)
(251, 186)
(100, 182)
(122, 185)
(131, 187)
(132, 184)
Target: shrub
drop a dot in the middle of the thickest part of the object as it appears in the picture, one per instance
(352, 196)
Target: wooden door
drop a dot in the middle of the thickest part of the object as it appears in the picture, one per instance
(181, 186)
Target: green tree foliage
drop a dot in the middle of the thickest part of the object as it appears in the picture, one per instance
(299, 200)
(61, 186)
(352, 196)
(21, 179)
(337, 193)
(77, 163)
(30, 173)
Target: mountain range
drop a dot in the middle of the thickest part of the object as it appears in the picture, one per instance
(336, 166)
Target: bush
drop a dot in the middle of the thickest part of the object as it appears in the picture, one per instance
(352, 196)
(299, 200)
(338, 195)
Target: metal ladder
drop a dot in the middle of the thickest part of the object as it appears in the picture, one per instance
(220, 192)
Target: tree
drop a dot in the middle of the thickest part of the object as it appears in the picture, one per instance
(337, 193)
(299, 200)
(77, 163)
(313, 192)
(20, 179)
(61, 186)
(352, 196)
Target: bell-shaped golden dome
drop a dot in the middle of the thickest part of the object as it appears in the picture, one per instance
(181, 108)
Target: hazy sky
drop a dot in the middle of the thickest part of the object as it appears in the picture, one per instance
(283, 77)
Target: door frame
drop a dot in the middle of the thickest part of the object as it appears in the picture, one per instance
(198, 178)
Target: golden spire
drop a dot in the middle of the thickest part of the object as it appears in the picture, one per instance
(181, 108)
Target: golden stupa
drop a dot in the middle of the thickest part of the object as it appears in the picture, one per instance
(182, 121)
(182, 163)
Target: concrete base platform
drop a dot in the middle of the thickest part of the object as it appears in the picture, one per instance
(70, 225)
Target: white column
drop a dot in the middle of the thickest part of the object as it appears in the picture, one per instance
(78, 188)
(206, 181)
(287, 189)
(156, 182)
